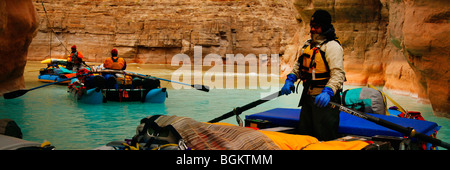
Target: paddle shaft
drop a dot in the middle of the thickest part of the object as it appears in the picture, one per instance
(239, 110)
(196, 86)
(407, 131)
(34, 88)
(18, 93)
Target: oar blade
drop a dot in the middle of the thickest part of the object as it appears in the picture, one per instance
(14, 94)
(201, 87)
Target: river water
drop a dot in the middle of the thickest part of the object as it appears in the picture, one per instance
(49, 114)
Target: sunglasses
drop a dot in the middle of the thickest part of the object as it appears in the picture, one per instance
(314, 25)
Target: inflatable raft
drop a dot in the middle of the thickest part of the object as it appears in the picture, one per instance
(13, 143)
(161, 132)
(56, 71)
(100, 88)
(350, 125)
(98, 96)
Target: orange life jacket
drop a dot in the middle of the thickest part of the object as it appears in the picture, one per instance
(313, 65)
(115, 63)
(75, 57)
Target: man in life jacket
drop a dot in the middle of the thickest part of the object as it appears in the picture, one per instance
(75, 60)
(320, 66)
(114, 62)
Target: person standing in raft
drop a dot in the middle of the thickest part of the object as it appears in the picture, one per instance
(75, 60)
(114, 62)
(320, 65)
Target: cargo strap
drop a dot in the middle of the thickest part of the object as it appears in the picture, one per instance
(238, 119)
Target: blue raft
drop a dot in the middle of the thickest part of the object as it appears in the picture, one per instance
(50, 75)
(93, 96)
(50, 78)
(100, 89)
(348, 124)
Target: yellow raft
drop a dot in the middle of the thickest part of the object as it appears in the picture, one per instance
(53, 60)
(304, 142)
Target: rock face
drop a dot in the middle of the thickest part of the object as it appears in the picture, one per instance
(424, 37)
(402, 45)
(18, 25)
(151, 31)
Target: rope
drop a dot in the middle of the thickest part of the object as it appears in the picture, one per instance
(51, 28)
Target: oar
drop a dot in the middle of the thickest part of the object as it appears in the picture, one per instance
(18, 93)
(239, 110)
(200, 87)
(407, 131)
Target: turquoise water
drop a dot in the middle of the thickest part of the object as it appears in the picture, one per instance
(49, 114)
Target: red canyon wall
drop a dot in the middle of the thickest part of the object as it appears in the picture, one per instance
(18, 25)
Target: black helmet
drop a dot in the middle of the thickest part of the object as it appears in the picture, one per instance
(321, 18)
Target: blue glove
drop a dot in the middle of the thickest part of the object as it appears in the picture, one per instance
(323, 98)
(289, 84)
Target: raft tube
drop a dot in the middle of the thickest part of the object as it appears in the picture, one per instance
(93, 96)
(156, 95)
